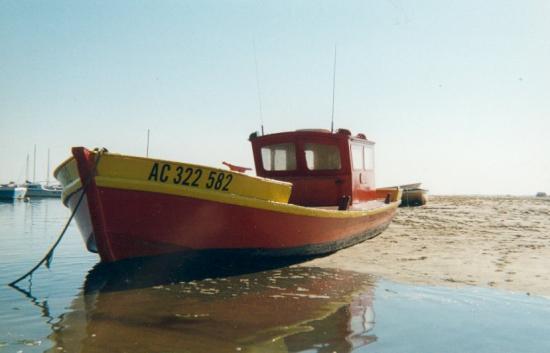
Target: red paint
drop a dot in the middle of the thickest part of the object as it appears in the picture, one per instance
(236, 168)
(143, 224)
(86, 170)
(319, 187)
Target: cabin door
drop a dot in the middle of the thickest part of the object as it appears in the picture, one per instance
(317, 191)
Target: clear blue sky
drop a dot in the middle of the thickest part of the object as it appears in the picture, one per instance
(455, 93)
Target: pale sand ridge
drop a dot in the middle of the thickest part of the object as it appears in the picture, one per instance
(501, 242)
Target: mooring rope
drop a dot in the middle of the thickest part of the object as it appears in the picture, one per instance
(49, 255)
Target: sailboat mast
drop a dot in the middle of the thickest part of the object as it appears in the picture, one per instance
(48, 170)
(34, 166)
(27, 169)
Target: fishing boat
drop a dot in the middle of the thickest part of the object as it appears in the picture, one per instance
(314, 194)
(12, 191)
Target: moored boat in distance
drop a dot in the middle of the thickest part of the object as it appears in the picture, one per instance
(413, 195)
(12, 191)
(41, 190)
(314, 194)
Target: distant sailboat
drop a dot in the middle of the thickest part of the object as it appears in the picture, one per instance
(41, 190)
(35, 189)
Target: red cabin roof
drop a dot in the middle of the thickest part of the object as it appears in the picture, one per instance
(323, 167)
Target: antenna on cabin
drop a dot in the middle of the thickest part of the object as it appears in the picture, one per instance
(258, 88)
(147, 151)
(333, 90)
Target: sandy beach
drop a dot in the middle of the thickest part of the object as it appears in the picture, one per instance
(499, 242)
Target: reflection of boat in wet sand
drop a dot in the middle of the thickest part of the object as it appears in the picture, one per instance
(315, 194)
(285, 310)
(413, 195)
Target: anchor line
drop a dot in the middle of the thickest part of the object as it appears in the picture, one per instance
(49, 255)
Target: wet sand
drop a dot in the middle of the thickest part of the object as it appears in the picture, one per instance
(499, 242)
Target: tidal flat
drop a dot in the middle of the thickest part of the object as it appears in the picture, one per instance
(487, 241)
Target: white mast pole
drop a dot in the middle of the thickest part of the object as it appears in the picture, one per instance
(27, 169)
(48, 170)
(34, 166)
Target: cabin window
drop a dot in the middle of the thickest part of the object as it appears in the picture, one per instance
(279, 157)
(369, 157)
(357, 156)
(322, 157)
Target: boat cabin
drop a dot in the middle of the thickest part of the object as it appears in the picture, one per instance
(325, 168)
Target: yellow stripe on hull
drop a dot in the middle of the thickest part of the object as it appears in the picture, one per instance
(160, 172)
(138, 174)
(192, 176)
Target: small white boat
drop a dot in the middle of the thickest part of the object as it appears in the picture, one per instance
(41, 190)
(11, 191)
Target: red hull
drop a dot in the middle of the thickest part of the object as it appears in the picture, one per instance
(121, 223)
(135, 224)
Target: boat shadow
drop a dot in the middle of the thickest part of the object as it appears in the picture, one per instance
(168, 269)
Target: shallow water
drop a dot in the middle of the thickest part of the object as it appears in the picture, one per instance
(205, 306)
